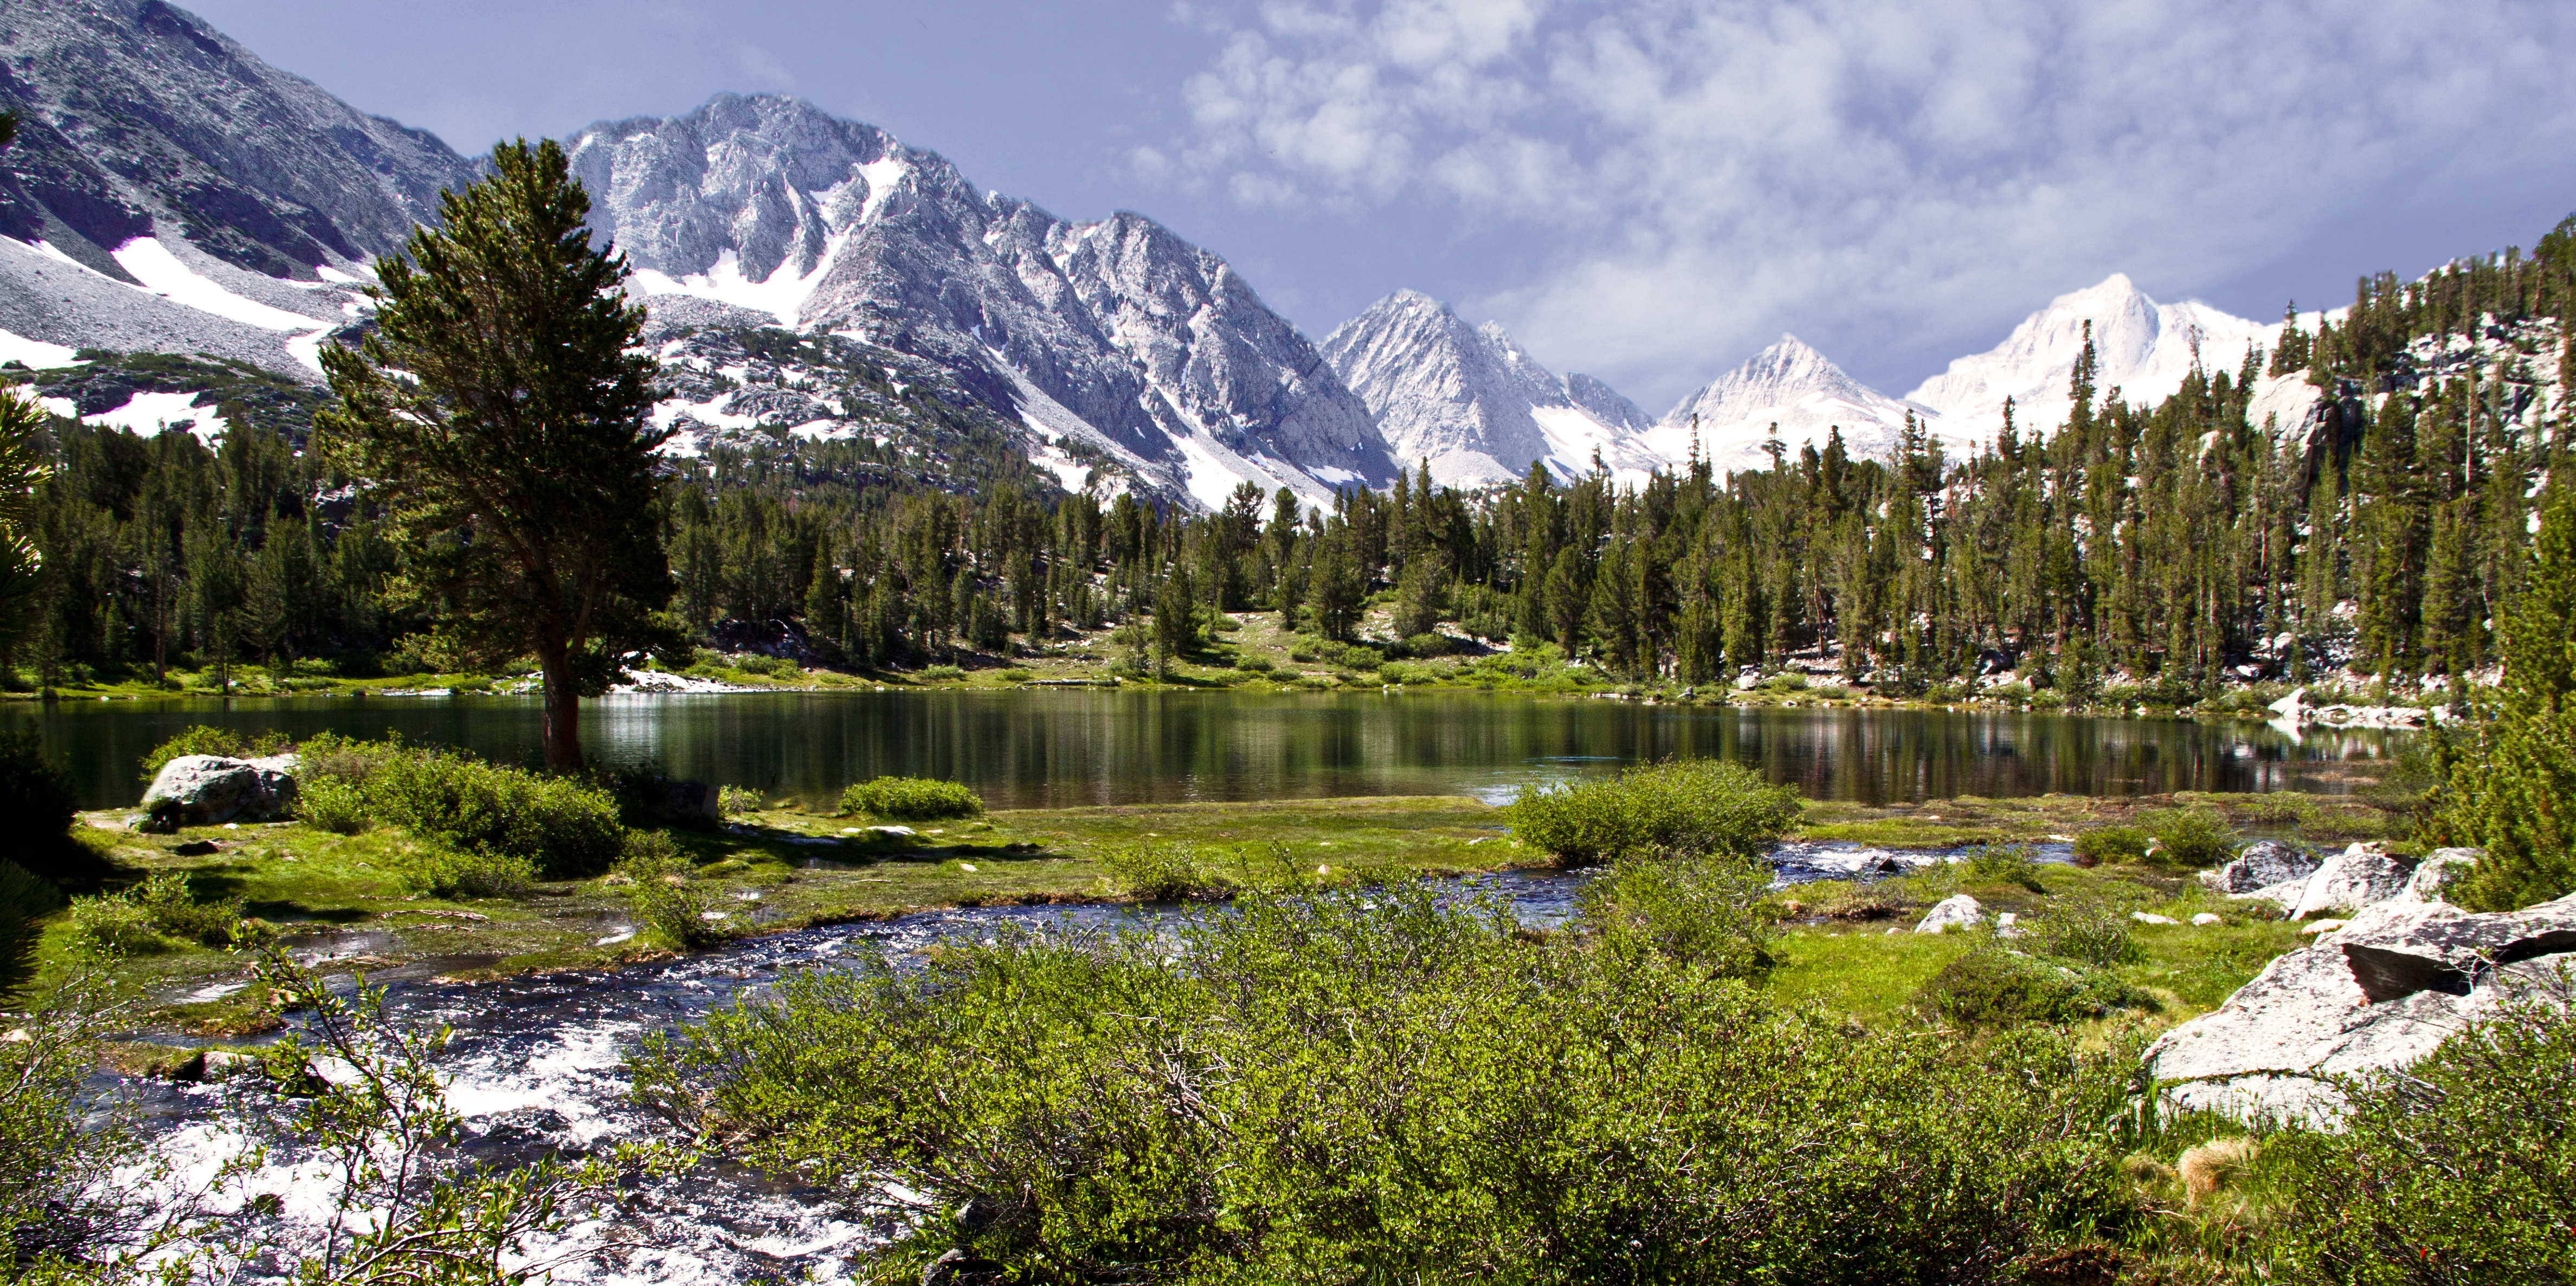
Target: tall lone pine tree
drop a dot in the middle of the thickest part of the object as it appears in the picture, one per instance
(499, 416)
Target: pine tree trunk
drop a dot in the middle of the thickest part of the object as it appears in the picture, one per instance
(563, 715)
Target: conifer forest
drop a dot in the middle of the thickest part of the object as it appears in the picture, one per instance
(2183, 545)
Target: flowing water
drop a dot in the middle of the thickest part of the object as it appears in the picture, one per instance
(1054, 748)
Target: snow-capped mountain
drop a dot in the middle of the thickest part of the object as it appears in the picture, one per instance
(1793, 386)
(169, 191)
(1116, 334)
(2145, 349)
(1471, 402)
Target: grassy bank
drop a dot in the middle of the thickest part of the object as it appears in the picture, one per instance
(1251, 650)
(778, 869)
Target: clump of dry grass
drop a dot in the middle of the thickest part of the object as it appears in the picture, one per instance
(2207, 1167)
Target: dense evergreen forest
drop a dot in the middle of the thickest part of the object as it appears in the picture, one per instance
(2183, 544)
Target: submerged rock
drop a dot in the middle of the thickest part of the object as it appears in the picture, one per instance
(206, 790)
(1958, 911)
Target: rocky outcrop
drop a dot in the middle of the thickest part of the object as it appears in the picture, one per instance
(2376, 994)
(208, 790)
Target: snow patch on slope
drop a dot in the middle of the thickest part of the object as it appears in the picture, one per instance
(34, 353)
(148, 414)
(781, 294)
(161, 273)
(1795, 387)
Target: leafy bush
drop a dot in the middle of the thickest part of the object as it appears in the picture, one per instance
(2006, 864)
(448, 872)
(912, 799)
(940, 673)
(2454, 1172)
(665, 898)
(2110, 845)
(335, 804)
(1164, 872)
(148, 918)
(736, 801)
(1427, 644)
(1688, 806)
(2191, 837)
(1384, 1086)
(204, 740)
(1254, 664)
(2089, 931)
(1994, 987)
(561, 827)
(774, 667)
(1703, 911)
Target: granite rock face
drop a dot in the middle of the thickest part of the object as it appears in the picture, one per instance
(2353, 879)
(1958, 911)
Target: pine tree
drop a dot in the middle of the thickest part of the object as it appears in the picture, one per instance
(2512, 783)
(512, 449)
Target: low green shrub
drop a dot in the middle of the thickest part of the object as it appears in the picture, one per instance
(2188, 837)
(1991, 987)
(2110, 845)
(2456, 1171)
(1254, 664)
(737, 801)
(1164, 872)
(159, 913)
(204, 740)
(663, 894)
(562, 828)
(445, 872)
(940, 673)
(1711, 912)
(335, 804)
(2087, 931)
(912, 799)
(1688, 806)
(2006, 863)
(773, 667)
(1387, 1085)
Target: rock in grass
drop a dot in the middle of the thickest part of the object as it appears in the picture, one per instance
(2206, 919)
(1958, 911)
(207, 790)
(2378, 994)
(2263, 863)
(2353, 879)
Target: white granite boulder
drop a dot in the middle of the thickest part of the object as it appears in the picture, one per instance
(2263, 863)
(208, 790)
(2378, 994)
(1958, 911)
(2353, 879)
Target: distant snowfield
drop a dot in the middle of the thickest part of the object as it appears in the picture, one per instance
(148, 414)
(781, 294)
(161, 273)
(34, 353)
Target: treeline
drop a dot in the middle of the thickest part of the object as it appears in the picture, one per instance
(2182, 543)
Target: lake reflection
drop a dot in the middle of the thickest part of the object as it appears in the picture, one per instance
(1031, 749)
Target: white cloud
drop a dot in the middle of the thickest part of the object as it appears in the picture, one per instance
(1892, 174)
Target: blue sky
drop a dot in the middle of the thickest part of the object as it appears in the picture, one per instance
(1648, 191)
